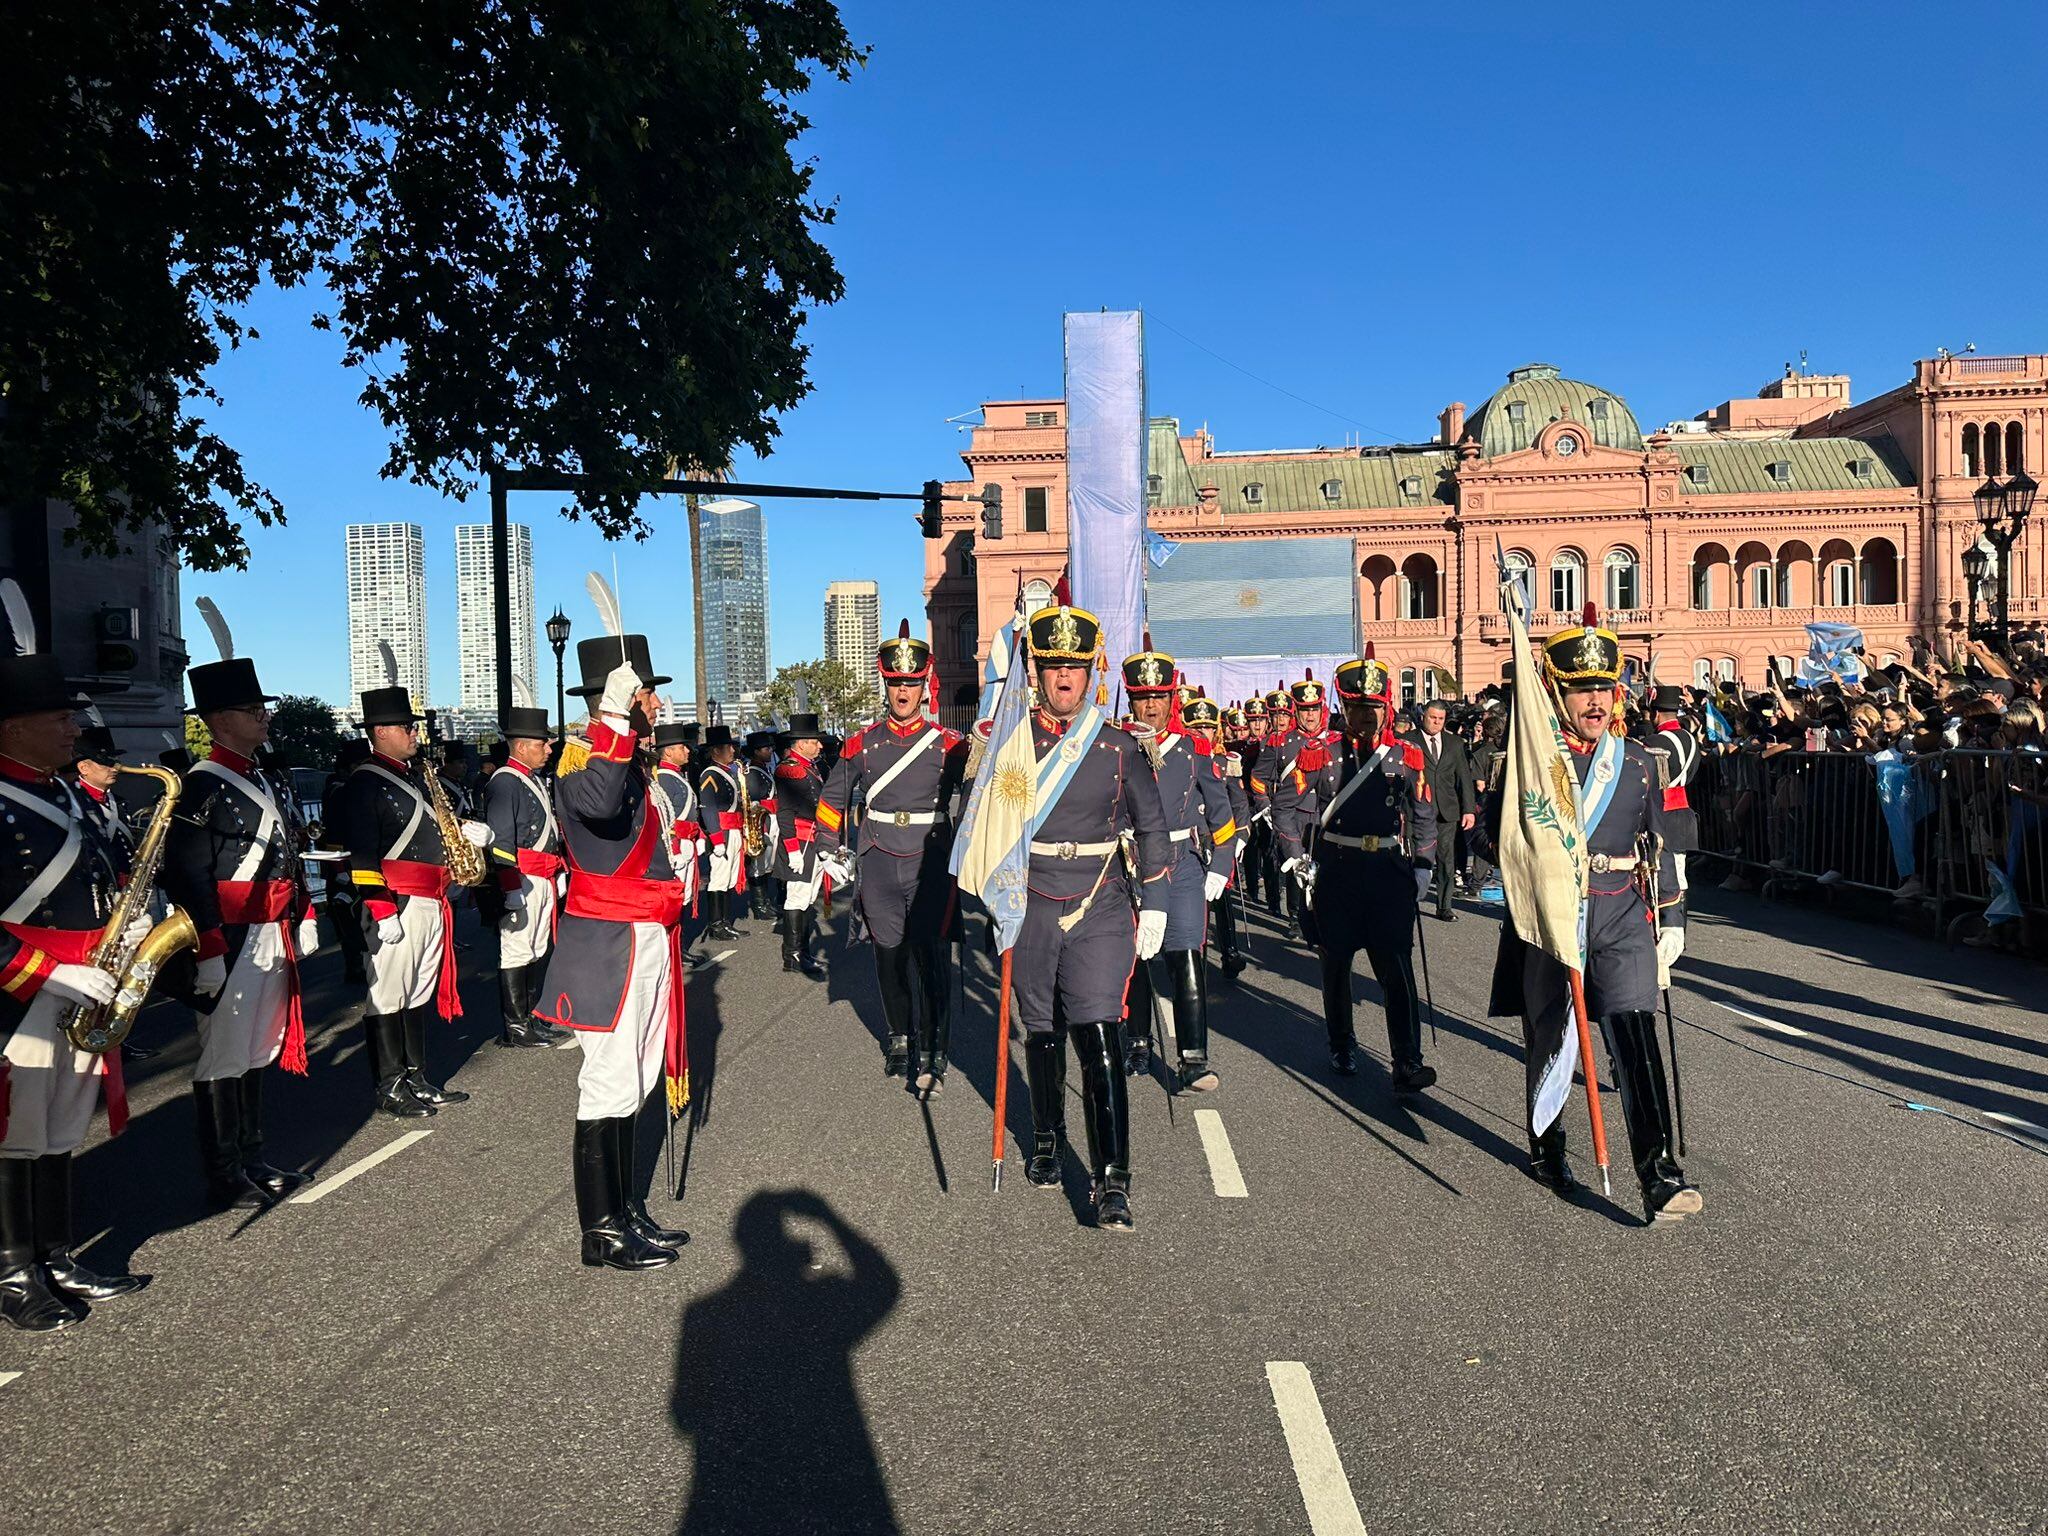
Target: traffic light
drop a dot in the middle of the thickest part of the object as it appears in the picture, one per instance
(928, 519)
(118, 632)
(991, 511)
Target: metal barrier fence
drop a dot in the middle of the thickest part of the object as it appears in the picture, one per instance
(1959, 831)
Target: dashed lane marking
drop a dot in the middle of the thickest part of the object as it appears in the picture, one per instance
(7, 1376)
(723, 955)
(357, 1169)
(1325, 1491)
(1757, 1018)
(2017, 1123)
(1223, 1171)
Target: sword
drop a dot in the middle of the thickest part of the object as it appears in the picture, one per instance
(1429, 996)
(1677, 1093)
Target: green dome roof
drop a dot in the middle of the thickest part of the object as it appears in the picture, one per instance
(1544, 396)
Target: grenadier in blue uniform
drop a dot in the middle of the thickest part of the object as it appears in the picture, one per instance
(1361, 816)
(1205, 722)
(1301, 753)
(1099, 849)
(1257, 757)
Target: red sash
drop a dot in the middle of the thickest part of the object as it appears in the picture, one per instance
(802, 832)
(430, 881)
(627, 899)
(542, 865)
(73, 946)
(271, 901)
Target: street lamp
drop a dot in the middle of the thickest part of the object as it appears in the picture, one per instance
(1974, 563)
(2003, 511)
(558, 637)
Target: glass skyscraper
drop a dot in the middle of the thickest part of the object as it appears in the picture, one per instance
(735, 598)
(475, 613)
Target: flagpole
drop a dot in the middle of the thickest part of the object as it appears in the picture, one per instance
(1003, 1069)
(1592, 1079)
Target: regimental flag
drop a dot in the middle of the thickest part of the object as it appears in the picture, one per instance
(992, 854)
(1542, 851)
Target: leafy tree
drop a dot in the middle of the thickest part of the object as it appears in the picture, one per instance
(553, 235)
(304, 731)
(842, 698)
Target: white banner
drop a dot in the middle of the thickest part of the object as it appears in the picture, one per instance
(1105, 354)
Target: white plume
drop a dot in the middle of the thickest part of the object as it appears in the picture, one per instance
(607, 604)
(19, 619)
(521, 694)
(222, 639)
(390, 660)
(93, 715)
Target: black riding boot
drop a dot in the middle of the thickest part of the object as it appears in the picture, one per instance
(1395, 973)
(531, 977)
(1646, 1106)
(53, 1237)
(935, 1023)
(1045, 1070)
(1106, 1112)
(1224, 916)
(1191, 1019)
(515, 1010)
(1139, 999)
(217, 1107)
(796, 944)
(609, 1239)
(26, 1300)
(414, 1022)
(384, 1045)
(632, 1201)
(1548, 1164)
(1337, 1011)
(274, 1182)
(892, 974)
(1274, 895)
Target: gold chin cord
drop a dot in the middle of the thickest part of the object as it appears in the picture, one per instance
(97, 1028)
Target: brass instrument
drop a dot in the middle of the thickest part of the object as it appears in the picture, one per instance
(753, 819)
(97, 1028)
(465, 859)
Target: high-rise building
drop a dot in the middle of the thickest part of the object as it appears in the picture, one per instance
(853, 624)
(475, 613)
(735, 598)
(387, 600)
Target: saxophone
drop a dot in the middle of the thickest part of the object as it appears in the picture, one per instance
(97, 1028)
(465, 859)
(753, 820)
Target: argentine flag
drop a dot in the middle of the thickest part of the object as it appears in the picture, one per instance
(992, 854)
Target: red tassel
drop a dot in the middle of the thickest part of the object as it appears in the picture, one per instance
(293, 1058)
(1062, 594)
(931, 686)
(1368, 650)
(1591, 617)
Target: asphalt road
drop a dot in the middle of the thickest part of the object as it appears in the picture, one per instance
(861, 1337)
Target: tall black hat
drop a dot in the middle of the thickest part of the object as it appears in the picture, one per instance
(31, 683)
(527, 722)
(675, 733)
(1149, 671)
(596, 658)
(802, 725)
(1585, 654)
(96, 743)
(388, 706)
(1667, 698)
(759, 739)
(718, 736)
(229, 684)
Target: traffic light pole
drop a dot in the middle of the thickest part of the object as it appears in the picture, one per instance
(504, 481)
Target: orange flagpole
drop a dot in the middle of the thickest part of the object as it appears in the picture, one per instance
(1592, 1079)
(1003, 1070)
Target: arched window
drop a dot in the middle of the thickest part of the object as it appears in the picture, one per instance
(1418, 588)
(1623, 579)
(1786, 671)
(1838, 573)
(1567, 581)
(966, 636)
(2015, 448)
(1407, 685)
(1753, 590)
(1037, 595)
(1970, 448)
(1522, 571)
(1760, 586)
(1710, 577)
(1726, 667)
(1795, 574)
(1994, 449)
(1376, 572)
(1878, 573)
(1703, 672)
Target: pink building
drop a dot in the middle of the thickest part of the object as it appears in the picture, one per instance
(1708, 543)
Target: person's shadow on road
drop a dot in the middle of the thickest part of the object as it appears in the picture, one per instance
(764, 1380)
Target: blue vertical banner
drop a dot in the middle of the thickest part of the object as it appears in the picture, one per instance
(1105, 355)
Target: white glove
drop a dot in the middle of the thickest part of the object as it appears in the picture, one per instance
(620, 684)
(210, 975)
(137, 929)
(1425, 878)
(307, 939)
(515, 898)
(1213, 884)
(1151, 933)
(1670, 945)
(1287, 865)
(476, 833)
(81, 984)
(390, 930)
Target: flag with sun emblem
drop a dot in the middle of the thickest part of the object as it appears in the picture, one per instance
(992, 854)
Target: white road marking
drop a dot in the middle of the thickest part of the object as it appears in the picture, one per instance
(2018, 1124)
(1757, 1018)
(7, 1376)
(1325, 1492)
(723, 955)
(1223, 1172)
(327, 1187)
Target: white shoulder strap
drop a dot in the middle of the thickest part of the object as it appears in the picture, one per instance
(52, 874)
(419, 806)
(875, 789)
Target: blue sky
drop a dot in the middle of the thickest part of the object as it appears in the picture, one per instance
(1374, 215)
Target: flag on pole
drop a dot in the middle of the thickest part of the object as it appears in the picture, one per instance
(1542, 854)
(1831, 654)
(992, 854)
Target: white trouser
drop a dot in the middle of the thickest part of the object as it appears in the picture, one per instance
(623, 1065)
(407, 974)
(727, 860)
(52, 1085)
(796, 895)
(246, 1028)
(527, 935)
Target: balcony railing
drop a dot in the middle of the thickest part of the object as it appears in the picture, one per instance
(1394, 629)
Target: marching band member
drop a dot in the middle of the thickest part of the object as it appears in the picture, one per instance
(759, 768)
(798, 785)
(526, 857)
(676, 798)
(721, 797)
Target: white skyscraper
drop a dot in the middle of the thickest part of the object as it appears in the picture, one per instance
(475, 629)
(387, 600)
(853, 624)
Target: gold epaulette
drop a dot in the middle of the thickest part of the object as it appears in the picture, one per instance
(575, 753)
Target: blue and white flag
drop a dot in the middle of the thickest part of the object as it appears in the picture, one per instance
(992, 854)
(1158, 548)
(1904, 802)
(1718, 729)
(1831, 654)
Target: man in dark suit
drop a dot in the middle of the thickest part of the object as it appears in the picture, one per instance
(1447, 766)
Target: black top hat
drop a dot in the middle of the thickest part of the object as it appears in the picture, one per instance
(530, 723)
(802, 725)
(96, 743)
(718, 736)
(674, 733)
(759, 739)
(596, 658)
(389, 706)
(30, 685)
(903, 659)
(1667, 699)
(229, 684)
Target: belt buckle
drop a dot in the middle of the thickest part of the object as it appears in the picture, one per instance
(902, 818)
(1598, 863)
(1065, 850)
